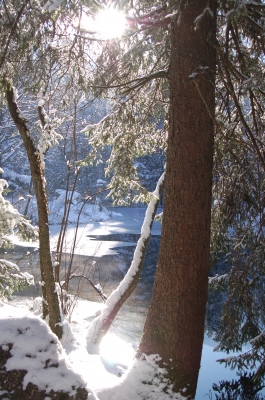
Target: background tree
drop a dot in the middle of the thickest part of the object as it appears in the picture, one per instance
(29, 57)
(35, 156)
(22, 49)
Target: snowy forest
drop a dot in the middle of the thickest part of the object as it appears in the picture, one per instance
(132, 199)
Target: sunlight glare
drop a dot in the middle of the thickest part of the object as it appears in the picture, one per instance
(116, 351)
(110, 23)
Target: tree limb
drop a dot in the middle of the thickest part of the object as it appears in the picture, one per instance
(100, 326)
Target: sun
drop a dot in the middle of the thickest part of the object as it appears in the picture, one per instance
(110, 23)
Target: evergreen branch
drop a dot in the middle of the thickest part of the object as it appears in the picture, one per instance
(12, 32)
(140, 81)
(239, 109)
(218, 282)
(255, 25)
(218, 129)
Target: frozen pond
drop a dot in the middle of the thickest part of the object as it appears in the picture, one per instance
(124, 221)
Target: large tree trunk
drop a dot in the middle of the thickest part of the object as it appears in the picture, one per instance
(175, 323)
(51, 302)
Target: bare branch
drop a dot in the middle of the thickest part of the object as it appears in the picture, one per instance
(102, 295)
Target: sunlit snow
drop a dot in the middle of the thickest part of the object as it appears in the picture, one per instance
(113, 373)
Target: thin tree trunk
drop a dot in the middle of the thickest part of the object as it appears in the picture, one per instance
(29, 198)
(174, 327)
(50, 303)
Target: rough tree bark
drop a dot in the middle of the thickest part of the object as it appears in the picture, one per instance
(50, 303)
(175, 323)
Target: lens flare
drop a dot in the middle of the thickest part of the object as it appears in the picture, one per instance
(110, 23)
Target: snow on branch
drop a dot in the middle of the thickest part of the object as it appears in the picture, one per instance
(52, 5)
(98, 124)
(10, 219)
(101, 324)
(48, 135)
(198, 20)
(218, 281)
(11, 278)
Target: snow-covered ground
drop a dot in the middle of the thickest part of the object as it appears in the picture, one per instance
(113, 374)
